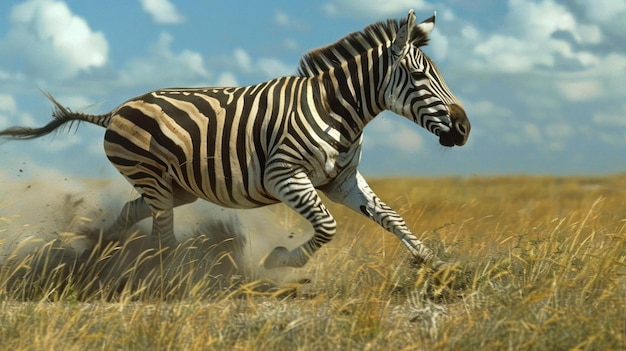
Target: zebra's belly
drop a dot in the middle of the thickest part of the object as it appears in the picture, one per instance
(237, 196)
(232, 188)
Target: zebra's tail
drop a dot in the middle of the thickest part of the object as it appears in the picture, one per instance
(60, 116)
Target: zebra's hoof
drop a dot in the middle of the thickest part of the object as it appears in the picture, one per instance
(279, 257)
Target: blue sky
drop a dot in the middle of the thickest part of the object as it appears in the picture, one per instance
(542, 81)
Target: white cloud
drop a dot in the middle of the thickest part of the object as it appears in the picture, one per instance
(7, 103)
(609, 126)
(273, 67)
(392, 132)
(80, 103)
(609, 14)
(528, 39)
(500, 124)
(604, 10)
(405, 139)
(49, 39)
(531, 132)
(14, 76)
(438, 45)
(269, 67)
(162, 11)
(541, 19)
(227, 79)
(581, 90)
(163, 67)
(612, 119)
(557, 135)
(281, 18)
(558, 130)
(602, 80)
(510, 54)
(67, 136)
(589, 34)
(4, 120)
(552, 136)
(26, 119)
(243, 60)
(10, 114)
(618, 140)
(470, 33)
(291, 44)
(610, 65)
(61, 141)
(491, 114)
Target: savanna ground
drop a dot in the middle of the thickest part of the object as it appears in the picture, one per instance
(536, 263)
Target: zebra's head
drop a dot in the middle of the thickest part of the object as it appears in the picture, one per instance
(416, 89)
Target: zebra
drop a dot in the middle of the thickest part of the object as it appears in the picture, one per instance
(278, 141)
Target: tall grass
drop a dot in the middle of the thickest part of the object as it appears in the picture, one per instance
(535, 263)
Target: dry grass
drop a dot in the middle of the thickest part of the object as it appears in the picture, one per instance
(537, 263)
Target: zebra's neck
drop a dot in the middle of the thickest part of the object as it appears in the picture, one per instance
(353, 94)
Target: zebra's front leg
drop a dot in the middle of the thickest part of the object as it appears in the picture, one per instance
(299, 194)
(355, 193)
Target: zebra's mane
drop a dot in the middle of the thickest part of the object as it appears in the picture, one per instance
(324, 58)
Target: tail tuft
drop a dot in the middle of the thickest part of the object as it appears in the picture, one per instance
(60, 116)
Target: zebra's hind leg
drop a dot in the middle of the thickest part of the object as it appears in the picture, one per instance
(137, 210)
(163, 215)
(132, 212)
(162, 234)
(161, 211)
(299, 194)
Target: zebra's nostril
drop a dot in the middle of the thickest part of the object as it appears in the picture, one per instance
(461, 129)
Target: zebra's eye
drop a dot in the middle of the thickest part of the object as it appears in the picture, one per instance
(418, 75)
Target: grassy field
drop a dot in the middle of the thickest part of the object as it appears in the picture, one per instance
(536, 263)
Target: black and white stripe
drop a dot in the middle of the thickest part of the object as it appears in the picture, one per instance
(278, 141)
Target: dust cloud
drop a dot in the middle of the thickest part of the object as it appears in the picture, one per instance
(63, 218)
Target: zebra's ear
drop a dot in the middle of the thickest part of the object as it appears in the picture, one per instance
(404, 32)
(427, 25)
(420, 34)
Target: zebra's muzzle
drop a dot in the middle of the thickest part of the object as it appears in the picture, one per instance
(459, 129)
